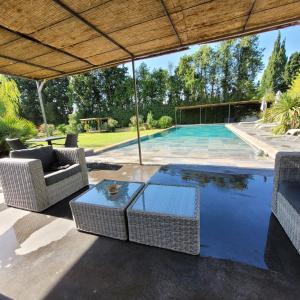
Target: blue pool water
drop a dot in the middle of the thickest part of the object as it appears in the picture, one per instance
(198, 131)
(193, 142)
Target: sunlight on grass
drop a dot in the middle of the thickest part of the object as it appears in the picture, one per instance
(99, 140)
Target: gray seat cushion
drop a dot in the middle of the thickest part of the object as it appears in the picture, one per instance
(57, 176)
(290, 191)
(45, 154)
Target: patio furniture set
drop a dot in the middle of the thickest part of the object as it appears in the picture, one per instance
(157, 215)
(164, 216)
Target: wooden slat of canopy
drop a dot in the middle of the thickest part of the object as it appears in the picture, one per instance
(44, 39)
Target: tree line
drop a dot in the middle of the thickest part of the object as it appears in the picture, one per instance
(225, 72)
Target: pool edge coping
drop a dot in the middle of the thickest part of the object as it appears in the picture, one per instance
(266, 148)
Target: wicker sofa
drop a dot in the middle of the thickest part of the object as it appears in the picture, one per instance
(27, 185)
(286, 194)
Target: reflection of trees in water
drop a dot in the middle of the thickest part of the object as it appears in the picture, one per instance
(123, 192)
(226, 181)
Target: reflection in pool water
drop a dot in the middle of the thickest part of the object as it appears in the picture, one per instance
(235, 210)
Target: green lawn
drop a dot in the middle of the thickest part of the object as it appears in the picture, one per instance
(99, 140)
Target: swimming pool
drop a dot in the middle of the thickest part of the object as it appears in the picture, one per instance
(187, 144)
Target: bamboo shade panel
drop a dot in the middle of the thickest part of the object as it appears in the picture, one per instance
(45, 39)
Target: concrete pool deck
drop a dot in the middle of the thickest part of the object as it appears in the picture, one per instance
(264, 139)
(212, 153)
(43, 256)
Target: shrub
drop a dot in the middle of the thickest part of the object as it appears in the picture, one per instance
(286, 113)
(165, 122)
(150, 120)
(133, 121)
(14, 127)
(62, 128)
(155, 124)
(112, 124)
(269, 96)
(42, 129)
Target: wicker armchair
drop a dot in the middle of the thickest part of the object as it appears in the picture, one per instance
(286, 194)
(26, 186)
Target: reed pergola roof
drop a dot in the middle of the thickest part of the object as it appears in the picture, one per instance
(209, 105)
(44, 39)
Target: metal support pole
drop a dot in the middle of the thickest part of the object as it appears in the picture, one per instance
(200, 114)
(228, 113)
(136, 112)
(40, 86)
(180, 117)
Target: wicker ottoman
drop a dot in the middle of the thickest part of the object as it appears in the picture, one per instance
(98, 212)
(166, 216)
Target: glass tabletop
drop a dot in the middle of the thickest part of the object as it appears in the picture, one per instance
(99, 195)
(167, 199)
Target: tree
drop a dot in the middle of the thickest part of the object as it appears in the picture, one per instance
(273, 76)
(29, 103)
(84, 91)
(187, 71)
(292, 68)
(248, 62)
(103, 93)
(152, 86)
(56, 100)
(294, 90)
(226, 68)
(57, 103)
(9, 97)
(11, 125)
(205, 72)
(175, 86)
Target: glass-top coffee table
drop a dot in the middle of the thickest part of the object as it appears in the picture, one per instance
(99, 212)
(166, 216)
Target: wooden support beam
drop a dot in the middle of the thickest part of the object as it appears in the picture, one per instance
(30, 38)
(91, 26)
(170, 20)
(249, 14)
(30, 63)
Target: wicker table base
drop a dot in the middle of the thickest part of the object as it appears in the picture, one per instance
(97, 212)
(153, 218)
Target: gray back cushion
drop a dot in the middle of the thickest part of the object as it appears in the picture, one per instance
(45, 154)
